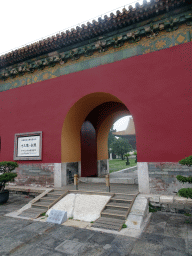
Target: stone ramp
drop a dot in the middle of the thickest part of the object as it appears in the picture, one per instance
(43, 204)
(115, 212)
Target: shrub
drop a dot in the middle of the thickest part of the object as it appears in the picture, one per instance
(184, 179)
(186, 161)
(5, 173)
(185, 192)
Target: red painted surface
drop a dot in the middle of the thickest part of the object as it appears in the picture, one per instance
(155, 87)
(88, 150)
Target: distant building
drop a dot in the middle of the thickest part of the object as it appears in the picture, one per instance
(128, 133)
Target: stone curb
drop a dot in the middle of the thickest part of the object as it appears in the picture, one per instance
(170, 203)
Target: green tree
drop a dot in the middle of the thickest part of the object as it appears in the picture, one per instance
(120, 147)
(111, 138)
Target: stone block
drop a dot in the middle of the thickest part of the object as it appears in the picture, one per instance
(143, 177)
(165, 208)
(140, 207)
(166, 199)
(134, 221)
(179, 200)
(189, 202)
(155, 204)
(188, 208)
(139, 212)
(177, 206)
(154, 199)
(172, 208)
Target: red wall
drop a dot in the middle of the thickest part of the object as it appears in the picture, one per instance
(155, 87)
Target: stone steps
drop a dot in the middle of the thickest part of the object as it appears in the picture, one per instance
(116, 205)
(109, 223)
(43, 204)
(128, 201)
(33, 212)
(115, 212)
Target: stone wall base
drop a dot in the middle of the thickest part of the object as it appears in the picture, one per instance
(154, 178)
(37, 175)
(174, 204)
(53, 174)
(162, 177)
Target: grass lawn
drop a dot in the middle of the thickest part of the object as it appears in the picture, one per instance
(118, 164)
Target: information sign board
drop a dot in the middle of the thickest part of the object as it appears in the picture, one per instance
(28, 146)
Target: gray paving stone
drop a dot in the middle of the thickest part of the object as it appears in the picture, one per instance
(32, 251)
(51, 253)
(176, 220)
(113, 252)
(82, 235)
(175, 243)
(123, 244)
(190, 246)
(144, 248)
(152, 238)
(71, 247)
(21, 235)
(62, 232)
(92, 249)
(38, 227)
(158, 217)
(101, 238)
(48, 242)
(4, 254)
(156, 228)
(179, 231)
(173, 253)
(8, 244)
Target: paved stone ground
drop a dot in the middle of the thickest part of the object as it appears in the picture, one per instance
(166, 235)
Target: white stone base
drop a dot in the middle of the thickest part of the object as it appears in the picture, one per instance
(82, 207)
(143, 177)
(139, 213)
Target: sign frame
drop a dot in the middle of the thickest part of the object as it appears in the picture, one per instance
(16, 144)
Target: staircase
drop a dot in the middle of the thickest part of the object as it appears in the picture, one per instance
(43, 204)
(115, 212)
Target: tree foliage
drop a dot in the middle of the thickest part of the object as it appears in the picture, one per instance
(186, 161)
(111, 137)
(184, 179)
(185, 192)
(120, 147)
(5, 173)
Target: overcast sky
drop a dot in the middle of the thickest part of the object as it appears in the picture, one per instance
(25, 21)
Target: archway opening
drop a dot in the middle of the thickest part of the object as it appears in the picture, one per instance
(85, 130)
(122, 146)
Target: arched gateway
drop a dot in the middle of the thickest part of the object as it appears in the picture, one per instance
(85, 134)
(52, 92)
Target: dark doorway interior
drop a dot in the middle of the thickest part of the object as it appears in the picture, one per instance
(88, 150)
